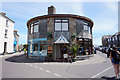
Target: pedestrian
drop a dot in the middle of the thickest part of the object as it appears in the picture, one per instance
(24, 51)
(108, 52)
(115, 61)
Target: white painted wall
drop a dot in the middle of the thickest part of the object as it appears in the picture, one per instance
(10, 35)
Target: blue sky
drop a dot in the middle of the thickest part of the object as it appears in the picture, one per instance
(103, 14)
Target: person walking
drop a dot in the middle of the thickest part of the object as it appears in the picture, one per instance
(115, 61)
(108, 52)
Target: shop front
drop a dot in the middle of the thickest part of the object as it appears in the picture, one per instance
(60, 48)
(37, 47)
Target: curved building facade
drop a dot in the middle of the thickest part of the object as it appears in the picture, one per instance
(50, 34)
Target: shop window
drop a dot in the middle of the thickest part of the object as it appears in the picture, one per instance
(61, 25)
(35, 47)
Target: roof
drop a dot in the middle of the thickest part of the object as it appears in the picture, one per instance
(60, 15)
(4, 15)
(61, 40)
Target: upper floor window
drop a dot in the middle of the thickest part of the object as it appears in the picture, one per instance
(6, 33)
(7, 23)
(36, 27)
(116, 37)
(61, 25)
(31, 29)
(86, 27)
(113, 38)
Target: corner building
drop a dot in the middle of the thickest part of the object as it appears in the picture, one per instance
(52, 33)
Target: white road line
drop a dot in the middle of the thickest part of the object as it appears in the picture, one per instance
(47, 71)
(41, 69)
(56, 74)
(101, 72)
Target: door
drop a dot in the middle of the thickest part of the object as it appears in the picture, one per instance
(5, 47)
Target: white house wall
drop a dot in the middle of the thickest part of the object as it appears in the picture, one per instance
(10, 35)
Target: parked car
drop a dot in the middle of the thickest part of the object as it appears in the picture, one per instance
(104, 49)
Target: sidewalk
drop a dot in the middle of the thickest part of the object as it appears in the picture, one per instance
(21, 58)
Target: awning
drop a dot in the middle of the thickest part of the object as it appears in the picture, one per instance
(61, 40)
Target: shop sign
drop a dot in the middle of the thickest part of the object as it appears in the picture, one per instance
(65, 55)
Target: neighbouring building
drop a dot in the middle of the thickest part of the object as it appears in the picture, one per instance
(105, 40)
(16, 39)
(112, 40)
(6, 34)
(52, 33)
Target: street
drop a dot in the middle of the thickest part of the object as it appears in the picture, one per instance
(16, 66)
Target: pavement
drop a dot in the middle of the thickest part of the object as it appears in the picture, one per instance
(21, 58)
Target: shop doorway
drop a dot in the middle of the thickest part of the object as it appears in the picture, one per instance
(63, 50)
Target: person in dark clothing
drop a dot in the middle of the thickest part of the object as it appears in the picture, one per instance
(108, 52)
(115, 61)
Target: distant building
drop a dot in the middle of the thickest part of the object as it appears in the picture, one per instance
(52, 33)
(112, 40)
(105, 40)
(6, 34)
(16, 39)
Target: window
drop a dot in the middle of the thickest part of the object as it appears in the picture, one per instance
(85, 27)
(35, 47)
(36, 28)
(31, 29)
(6, 33)
(7, 23)
(57, 26)
(113, 38)
(61, 25)
(116, 37)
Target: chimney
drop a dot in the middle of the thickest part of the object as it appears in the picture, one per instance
(51, 10)
(3, 13)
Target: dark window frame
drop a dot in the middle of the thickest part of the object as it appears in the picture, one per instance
(61, 24)
(6, 23)
(6, 31)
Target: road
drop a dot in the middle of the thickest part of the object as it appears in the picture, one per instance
(17, 66)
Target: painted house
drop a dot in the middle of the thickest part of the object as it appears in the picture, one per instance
(6, 34)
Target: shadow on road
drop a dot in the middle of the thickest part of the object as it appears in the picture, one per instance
(24, 59)
(108, 78)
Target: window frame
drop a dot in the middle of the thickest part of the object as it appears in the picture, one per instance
(7, 23)
(61, 21)
(6, 31)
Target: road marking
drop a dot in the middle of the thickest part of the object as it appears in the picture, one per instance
(48, 71)
(41, 69)
(56, 74)
(101, 72)
(45, 70)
